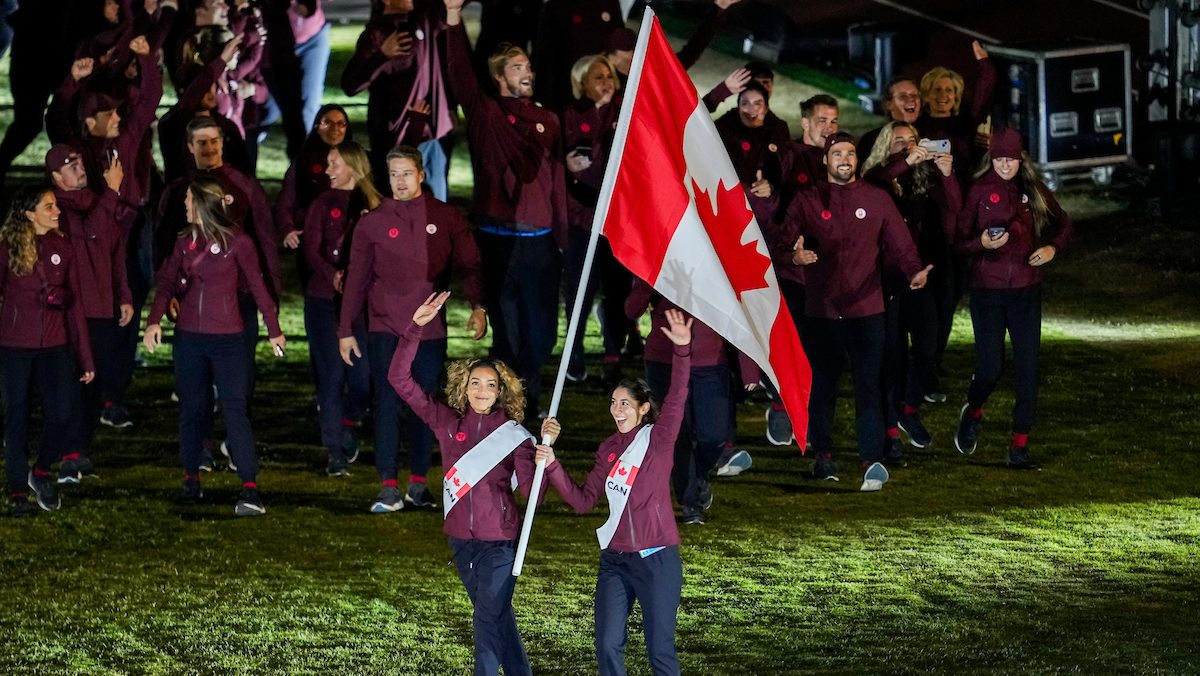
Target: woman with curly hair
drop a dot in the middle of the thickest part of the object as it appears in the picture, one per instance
(483, 447)
(639, 544)
(209, 262)
(39, 319)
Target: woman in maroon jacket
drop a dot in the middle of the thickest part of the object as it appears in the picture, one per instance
(1010, 227)
(343, 393)
(39, 282)
(483, 448)
(639, 544)
(308, 177)
(203, 273)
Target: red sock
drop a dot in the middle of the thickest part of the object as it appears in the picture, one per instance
(346, 422)
(975, 413)
(389, 482)
(910, 410)
(40, 472)
(71, 456)
(893, 432)
(612, 359)
(416, 479)
(777, 406)
(187, 476)
(1020, 440)
(249, 484)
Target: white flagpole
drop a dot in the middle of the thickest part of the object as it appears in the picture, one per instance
(614, 160)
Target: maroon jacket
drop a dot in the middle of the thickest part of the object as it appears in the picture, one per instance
(401, 253)
(586, 124)
(490, 512)
(993, 202)
(649, 519)
(25, 321)
(172, 127)
(327, 229)
(97, 237)
(931, 217)
(516, 152)
(851, 230)
(205, 277)
(755, 149)
(568, 30)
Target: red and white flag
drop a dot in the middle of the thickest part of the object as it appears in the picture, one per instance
(676, 215)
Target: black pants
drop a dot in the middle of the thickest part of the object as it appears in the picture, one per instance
(139, 270)
(704, 431)
(389, 409)
(200, 360)
(828, 343)
(521, 277)
(948, 286)
(34, 73)
(342, 391)
(613, 281)
(485, 569)
(85, 416)
(909, 369)
(52, 372)
(1019, 312)
(656, 582)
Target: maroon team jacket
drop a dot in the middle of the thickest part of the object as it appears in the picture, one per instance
(91, 222)
(25, 320)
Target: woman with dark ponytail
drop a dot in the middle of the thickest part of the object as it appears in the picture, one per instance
(1010, 227)
(343, 393)
(211, 257)
(39, 317)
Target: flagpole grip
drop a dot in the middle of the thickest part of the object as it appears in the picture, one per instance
(530, 510)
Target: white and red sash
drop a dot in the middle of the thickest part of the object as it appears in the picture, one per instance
(477, 462)
(620, 482)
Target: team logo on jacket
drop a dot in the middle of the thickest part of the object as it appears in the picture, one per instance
(460, 436)
(745, 146)
(994, 198)
(192, 245)
(394, 233)
(228, 199)
(540, 127)
(576, 19)
(56, 259)
(802, 178)
(335, 212)
(1024, 199)
(215, 248)
(772, 147)
(860, 213)
(605, 16)
(826, 215)
(420, 34)
(512, 119)
(585, 127)
(431, 229)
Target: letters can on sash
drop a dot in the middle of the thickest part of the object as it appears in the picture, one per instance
(620, 482)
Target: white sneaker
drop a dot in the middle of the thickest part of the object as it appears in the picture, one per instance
(874, 479)
(228, 456)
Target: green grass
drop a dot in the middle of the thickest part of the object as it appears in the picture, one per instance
(958, 566)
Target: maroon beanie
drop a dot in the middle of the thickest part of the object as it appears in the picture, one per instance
(59, 156)
(94, 103)
(1005, 143)
(620, 40)
(839, 137)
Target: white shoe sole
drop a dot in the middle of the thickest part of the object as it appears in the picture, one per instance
(912, 442)
(244, 509)
(731, 468)
(772, 440)
(874, 478)
(384, 508)
(228, 456)
(962, 412)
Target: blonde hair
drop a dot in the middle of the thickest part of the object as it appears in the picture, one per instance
(18, 233)
(1029, 182)
(581, 68)
(881, 151)
(209, 202)
(511, 398)
(500, 58)
(937, 73)
(360, 165)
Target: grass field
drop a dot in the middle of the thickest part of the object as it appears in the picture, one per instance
(958, 566)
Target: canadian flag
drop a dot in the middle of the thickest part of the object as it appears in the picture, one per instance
(676, 215)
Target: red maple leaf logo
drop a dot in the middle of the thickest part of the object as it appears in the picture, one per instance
(622, 471)
(457, 482)
(745, 267)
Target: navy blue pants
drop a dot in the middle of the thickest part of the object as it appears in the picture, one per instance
(85, 415)
(485, 569)
(1019, 312)
(342, 391)
(704, 431)
(909, 369)
(521, 279)
(139, 269)
(828, 343)
(389, 409)
(200, 360)
(657, 583)
(249, 311)
(613, 281)
(52, 372)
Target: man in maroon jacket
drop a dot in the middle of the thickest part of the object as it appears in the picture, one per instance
(520, 202)
(840, 232)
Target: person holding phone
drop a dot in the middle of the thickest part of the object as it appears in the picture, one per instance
(1010, 228)
(208, 263)
(41, 323)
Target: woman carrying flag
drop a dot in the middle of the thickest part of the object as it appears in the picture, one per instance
(639, 543)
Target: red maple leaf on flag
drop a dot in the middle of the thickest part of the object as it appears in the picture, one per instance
(744, 265)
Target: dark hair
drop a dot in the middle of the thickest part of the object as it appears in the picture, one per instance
(891, 85)
(202, 122)
(17, 232)
(406, 153)
(641, 393)
(753, 86)
(759, 69)
(313, 151)
(809, 105)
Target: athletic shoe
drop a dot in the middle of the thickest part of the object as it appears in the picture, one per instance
(692, 518)
(87, 469)
(228, 456)
(576, 371)
(935, 397)
(18, 506)
(337, 465)
(44, 490)
(733, 462)
(779, 426)
(966, 437)
(249, 503)
(874, 478)
(893, 453)
(191, 492)
(116, 416)
(1018, 458)
(388, 500)
(915, 429)
(418, 495)
(68, 472)
(824, 470)
(706, 495)
(349, 444)
(206, 457)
